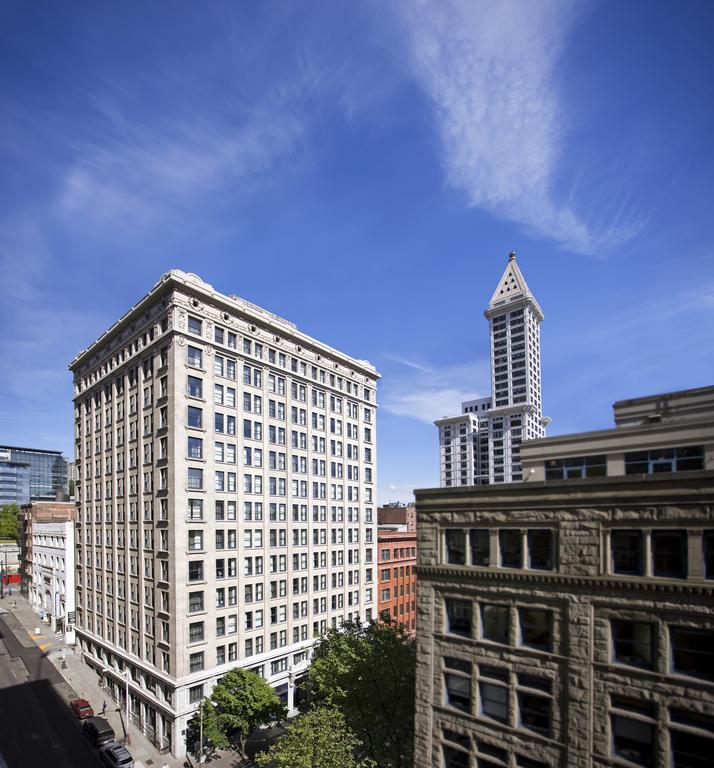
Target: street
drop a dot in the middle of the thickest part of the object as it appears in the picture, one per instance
(36, 726)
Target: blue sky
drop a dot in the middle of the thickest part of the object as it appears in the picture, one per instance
(363, 169)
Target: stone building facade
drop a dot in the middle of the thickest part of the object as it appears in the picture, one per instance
(226, 463)
(48, 568)
(569, 622)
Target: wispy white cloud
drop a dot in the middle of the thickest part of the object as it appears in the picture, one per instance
(489, 68)
(426, 393)
(144, 172)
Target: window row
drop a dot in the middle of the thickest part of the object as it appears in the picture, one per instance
(533, 548)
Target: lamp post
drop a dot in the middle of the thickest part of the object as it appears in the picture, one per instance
(126, 674)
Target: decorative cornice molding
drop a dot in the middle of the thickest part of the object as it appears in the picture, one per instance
(606, 584)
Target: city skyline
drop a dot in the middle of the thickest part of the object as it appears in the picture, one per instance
(319, 165)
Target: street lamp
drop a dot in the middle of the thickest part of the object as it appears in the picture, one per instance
(126, 721)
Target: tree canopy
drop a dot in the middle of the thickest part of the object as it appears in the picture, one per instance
(367, 672)
(239, 703)
(319, 738)
(10, 522)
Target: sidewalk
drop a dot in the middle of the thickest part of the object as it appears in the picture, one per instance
(83, 682)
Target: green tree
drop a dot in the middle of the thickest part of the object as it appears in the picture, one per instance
(238, 704)
(10, 522)
(319, 738)
(367, 672)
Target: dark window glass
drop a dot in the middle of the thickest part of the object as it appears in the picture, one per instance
(194, 386)
(480, 546)
(685, 458)
(691, 751)
(633, 740)
(540, 549)
(575, 467)
(486, 749)
(633, 643)
(455, 758)
(194, 417)
(494, 701)
(494, 623)
(457, 664)
(511, 542)
(536, 628)
(457, 738)
(459, 617)
(669, 554)
(194, 325)
(708, 552)
(455, 546)
(692, 651)
(195, 570)
(526, 762)
(457, 691)
(627, 552)
(534, 712)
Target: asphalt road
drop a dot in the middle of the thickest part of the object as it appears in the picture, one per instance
(37, 730)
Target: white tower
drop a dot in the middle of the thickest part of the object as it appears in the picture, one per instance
(482, 446)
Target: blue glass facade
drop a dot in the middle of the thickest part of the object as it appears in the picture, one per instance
(30, 474)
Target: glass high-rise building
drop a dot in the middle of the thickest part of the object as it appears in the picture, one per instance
(30, 474)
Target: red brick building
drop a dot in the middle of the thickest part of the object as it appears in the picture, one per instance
(397, 514)
(397, 576)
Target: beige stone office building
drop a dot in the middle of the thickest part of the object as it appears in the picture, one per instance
(567, 620)
(226, 464)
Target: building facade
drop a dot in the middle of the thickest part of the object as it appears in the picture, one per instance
(397, 576)
(397, 514)
(568, 621)
(30, 473)
(226, 464)
(48, 551)
(481, 446)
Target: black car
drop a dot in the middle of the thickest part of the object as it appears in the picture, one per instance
(98, 731)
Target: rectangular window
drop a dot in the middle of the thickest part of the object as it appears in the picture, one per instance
(534, 703)
(196, 662)
(536, 628)
(195, 448)
(708, 554)
(691, 748)
(194, 386)
(195, 325)
(195, 417)
(669, 554)
(480, 539)
(692, 651)
(455, 539)
(511, 545)
(195, 694)
(627, 551)
(457, 687)
(651, 462)
(459, 617)
(493, 694)
(195, 478)
(575, 467)
(194, 357)
(540, 549)
(494, 623)
(633, 643)
(632, 739)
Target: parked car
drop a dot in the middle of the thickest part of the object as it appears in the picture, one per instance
(98, 731)
(115, 756)
(81, 708)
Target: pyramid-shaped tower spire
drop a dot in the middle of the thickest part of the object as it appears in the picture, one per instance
(512, 286)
